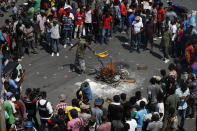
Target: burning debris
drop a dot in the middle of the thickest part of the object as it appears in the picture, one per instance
(110, 75)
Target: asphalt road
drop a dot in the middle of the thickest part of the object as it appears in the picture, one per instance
(52, 74)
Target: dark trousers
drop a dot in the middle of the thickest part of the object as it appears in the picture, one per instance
(20, 48)
(191, 109)
(88, 28)
(182, 114)
(159, 28)
(135, 38)
(43, 124)
(165, 52)
(33, 116)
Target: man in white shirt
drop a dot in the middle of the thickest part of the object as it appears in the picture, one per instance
(137, 28)
(132, 122)
(45, 110)
(88, 20)
(173, 29)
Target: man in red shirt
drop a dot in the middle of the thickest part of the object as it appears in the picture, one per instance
(123, 11)
(107, 20)
(79, 18)
(160, 18)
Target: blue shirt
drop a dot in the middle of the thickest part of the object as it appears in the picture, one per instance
(13, 85)
(131, 18)
(1, 36)
(180, 93)
(140, 116)
(185, 24)
(14, 10)
(98, 113)
(67, 21)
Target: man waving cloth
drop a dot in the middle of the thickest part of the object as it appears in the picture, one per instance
(82, 44)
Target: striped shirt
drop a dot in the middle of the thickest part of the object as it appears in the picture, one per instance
(60, 105)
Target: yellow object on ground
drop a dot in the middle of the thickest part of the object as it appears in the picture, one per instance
(102, 54)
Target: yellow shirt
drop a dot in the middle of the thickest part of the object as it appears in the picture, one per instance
(68, 108)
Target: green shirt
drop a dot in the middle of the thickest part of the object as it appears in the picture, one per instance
(81, 49)
(31, 13)
(9, 110)
(37, 5)
(166, 38)
(172, 101)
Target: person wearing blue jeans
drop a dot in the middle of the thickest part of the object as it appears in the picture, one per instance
(68, 37)
(67, 28)
(57, 45)
(183, 93)
(107, 21)
(137, 28)
(55, 36)
(105, 33)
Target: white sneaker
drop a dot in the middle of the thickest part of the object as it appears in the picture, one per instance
(52, 54)
(58, 54)
(65, 46)
(160, 37)
(19, 59)
(71, 44)
(166, 61)
(154, 39)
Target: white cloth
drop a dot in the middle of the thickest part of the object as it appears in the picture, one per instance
(88, 16)
(160, 109)
(174, 31)
(133, 124)
(41, 20)
(55, 31)
(137, 26)
(13, 106)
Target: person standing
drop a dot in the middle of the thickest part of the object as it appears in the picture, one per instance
(183, 93)
(136, 33)
(79, 20)
(45, 110)
(140, 116)
(107, 21)
(160, 19)
(165, 43)
(62, 104)
(76, 123)
(55, 36)
(149, 33)
(88, 20)
(41, 19)
(8, 106)
(123, 11)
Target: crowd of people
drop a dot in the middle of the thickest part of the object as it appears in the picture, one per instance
(169, 97)
(46, 23)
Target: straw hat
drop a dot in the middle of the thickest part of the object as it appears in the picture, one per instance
(137, 18)
(130, 10)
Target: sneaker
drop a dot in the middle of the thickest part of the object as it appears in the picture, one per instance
(71, 44)
(123, 32)
(52, 54)
(159, 37)
(166, 60)
(155, 39)
(19, 59)
(65, 46)
(58, 54)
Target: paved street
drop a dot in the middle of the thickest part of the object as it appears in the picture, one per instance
(52, 74)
